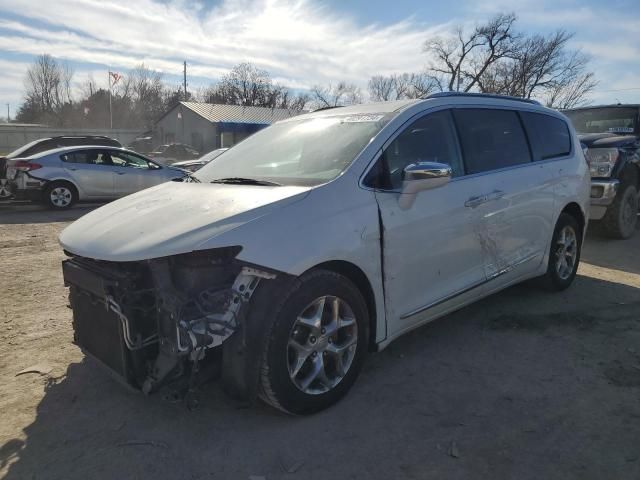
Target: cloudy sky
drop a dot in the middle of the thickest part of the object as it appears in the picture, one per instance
(300, 42)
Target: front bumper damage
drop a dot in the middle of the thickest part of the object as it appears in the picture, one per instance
(151, 322)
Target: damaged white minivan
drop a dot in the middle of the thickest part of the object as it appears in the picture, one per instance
(324, 237)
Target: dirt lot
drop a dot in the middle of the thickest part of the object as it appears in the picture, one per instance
(524, 385)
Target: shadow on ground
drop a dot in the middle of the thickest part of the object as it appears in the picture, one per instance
(605, 252)
(497, 390)
(24, 214)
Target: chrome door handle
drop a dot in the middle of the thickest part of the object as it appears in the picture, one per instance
(495, 195)
(480, 199)
(475, 201)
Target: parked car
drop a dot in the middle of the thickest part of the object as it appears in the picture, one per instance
(44, 144)
(142, 145)
(174, 152)
(193, 165)
(612, 135)
(325, 236)
(64, 176)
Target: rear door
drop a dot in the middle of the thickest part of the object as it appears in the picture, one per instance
(514, 197)
(92, 171)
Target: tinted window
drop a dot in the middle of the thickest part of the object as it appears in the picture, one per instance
(549, 136)
(491, 139)
(429, 139)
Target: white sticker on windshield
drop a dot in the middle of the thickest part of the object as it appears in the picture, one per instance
(621, 130)
(362, 118)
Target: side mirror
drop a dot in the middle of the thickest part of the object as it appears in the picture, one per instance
(422, 176)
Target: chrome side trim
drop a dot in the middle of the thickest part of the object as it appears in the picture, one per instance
(493, 276)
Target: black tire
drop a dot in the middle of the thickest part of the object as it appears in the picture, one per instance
(621, 217)
(67, 195)
(277, 388)
(553, 280)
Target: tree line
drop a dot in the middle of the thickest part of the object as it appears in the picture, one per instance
(492, 57)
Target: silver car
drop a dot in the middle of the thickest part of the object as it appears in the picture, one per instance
(64, 176)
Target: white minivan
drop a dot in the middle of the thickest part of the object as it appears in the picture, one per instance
(326, 236)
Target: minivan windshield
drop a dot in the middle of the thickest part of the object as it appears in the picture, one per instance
(303, 152)
(618, 120)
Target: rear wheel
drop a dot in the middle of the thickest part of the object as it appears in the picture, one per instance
(564, 255)
(60, 195)
(317, 344)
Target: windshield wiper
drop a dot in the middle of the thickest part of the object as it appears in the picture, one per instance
(246, 181)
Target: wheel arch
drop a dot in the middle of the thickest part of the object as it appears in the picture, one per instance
(576, 212)
(64, 180)
(361, 281)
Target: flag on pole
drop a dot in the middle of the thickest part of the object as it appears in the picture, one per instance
(115, 76)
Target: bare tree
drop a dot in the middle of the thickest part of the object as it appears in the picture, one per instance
(248, 85)
(47, 90)
(335, 95)
(401, 86)
(543, 67)
(459, 63)
(494, 58)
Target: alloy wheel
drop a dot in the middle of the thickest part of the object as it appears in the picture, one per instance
(61, 197)
(5, 191)
(566, 252)
(322, 345)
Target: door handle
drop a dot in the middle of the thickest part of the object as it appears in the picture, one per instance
(120, 173)
(480, 199)
(475, 201)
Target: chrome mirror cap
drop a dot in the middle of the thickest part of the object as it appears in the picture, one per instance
(422, 176)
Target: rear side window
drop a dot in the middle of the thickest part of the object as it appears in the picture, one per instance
(549, 136)
(88, 157)
(491, 139)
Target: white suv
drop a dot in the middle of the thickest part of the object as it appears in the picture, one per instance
(326, 236)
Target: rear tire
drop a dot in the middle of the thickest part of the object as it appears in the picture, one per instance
(60, 195)
(621, 217)
(564, 254)
(317, 345)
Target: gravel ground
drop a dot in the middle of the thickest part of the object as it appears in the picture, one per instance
(523, 385)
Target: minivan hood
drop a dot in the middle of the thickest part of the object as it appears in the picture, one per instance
(171, 218)
(607, 140)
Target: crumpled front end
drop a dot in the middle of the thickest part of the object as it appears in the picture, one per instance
(150, 322)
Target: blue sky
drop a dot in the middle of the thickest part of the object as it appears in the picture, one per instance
(300, 42)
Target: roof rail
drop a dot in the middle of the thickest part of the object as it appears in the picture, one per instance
(326, 108)
(481, 95)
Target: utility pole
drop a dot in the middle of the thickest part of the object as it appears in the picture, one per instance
(185, 81)
(8, 118)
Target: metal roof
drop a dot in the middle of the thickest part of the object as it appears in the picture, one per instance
(217, 113)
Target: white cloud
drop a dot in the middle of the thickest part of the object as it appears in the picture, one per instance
(300, 42)
(292, 39)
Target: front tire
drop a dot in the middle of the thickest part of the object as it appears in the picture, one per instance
(564, 254)
(621, 217)
(317, 345)
(60, 195)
